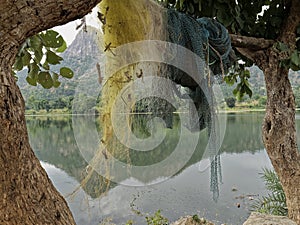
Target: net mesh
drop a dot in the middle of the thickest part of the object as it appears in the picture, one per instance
(211, 42)
(205, 37)
(136, 20)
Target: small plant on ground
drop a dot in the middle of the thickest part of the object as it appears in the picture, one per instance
(129, 222)
(157, 219)
(196, 218)
(275, 202)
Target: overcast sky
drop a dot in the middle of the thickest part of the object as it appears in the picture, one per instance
(68, 31)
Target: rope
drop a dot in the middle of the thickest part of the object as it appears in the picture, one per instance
(205, 37)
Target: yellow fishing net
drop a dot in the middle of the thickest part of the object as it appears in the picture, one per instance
(131, 21)
(124, 21)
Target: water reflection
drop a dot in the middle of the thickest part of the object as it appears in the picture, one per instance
(53, 140)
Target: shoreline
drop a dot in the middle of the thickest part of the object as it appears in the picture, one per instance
(226, 111)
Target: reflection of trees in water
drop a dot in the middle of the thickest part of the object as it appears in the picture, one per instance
(243, 133)
(53, 140)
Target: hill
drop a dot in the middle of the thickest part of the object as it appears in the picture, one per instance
(82, 57)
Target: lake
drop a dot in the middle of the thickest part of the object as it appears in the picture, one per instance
(211, 186)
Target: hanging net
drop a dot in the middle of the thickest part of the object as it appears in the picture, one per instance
(131, 21)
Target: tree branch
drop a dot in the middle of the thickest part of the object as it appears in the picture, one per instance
(251, 43)
(288, 34)
(24, 18)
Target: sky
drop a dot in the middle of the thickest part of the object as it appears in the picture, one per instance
(69, 32)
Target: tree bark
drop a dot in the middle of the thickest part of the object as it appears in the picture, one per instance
(279, 127)
(27, 194)
(279, 132)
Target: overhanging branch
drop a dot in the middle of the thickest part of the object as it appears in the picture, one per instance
(250, 43)
(22, 19)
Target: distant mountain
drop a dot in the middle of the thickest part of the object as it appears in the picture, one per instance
(84, 52)
(82, 57)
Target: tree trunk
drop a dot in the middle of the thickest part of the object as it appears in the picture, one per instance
(27, 194)
(279, 126)
(279, 132)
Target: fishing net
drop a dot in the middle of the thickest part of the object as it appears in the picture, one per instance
(131, 21)
(205, 37)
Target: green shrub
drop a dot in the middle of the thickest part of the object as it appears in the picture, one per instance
(230, 102)
(157, 219)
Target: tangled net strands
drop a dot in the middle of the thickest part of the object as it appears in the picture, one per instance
(136, 20)
(205, 37)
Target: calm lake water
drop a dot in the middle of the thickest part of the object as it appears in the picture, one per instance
(208, 193)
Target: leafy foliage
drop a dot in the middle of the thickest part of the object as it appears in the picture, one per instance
(156, 219)
(39, 53)
(275, 202)
(244, 18)
(293, 62)
(239, 74)
(253, 18)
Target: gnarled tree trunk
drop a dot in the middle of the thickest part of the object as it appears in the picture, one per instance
(279, 127)
(27, 196)
(279, 133)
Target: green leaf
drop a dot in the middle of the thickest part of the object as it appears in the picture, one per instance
(45, 79)
(247, 73)
(38, 54)
(35, 42)
(33, 70)
(36, 45)
(66, 72)
(295, 58)
(52, 58)
(18, 64)
(31, 81)
(62, 48)
(56, 82)
(294, 67)
(52, 39)
(26, 58)
(235, 91)
(248, 90)
(46, 66)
